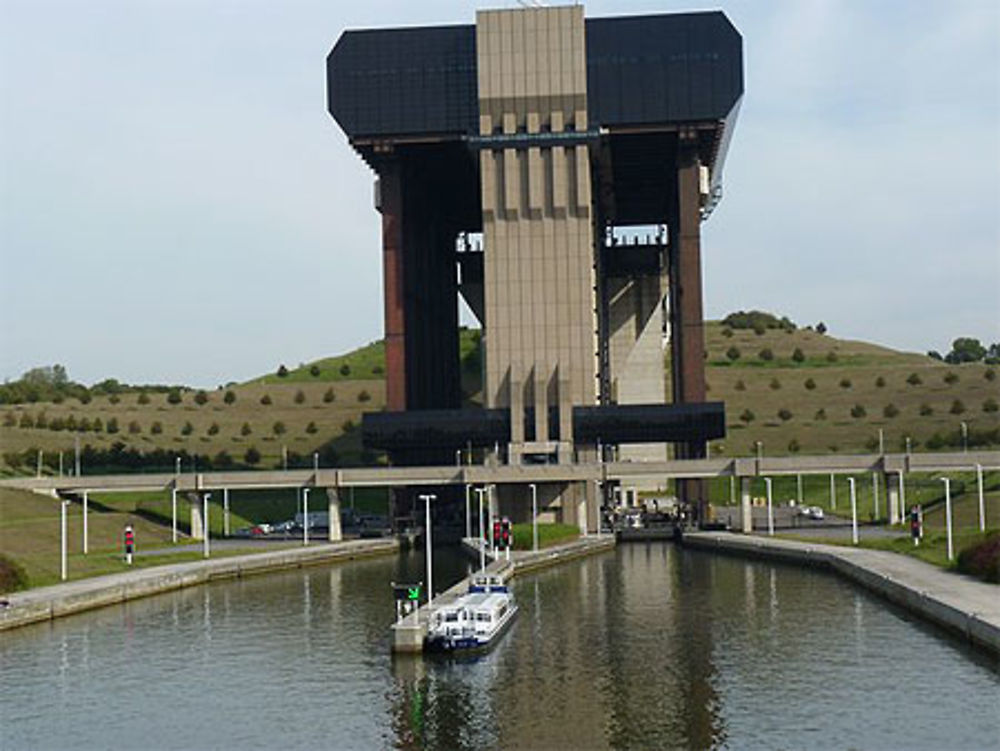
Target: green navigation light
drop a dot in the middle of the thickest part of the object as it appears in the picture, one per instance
(413, 593)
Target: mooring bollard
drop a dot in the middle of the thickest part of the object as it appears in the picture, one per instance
(129, 544)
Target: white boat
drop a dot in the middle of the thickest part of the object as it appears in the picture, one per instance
(473, 620)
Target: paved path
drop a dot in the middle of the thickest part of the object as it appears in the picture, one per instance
(957, 602)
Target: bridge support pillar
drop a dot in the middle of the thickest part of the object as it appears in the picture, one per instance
(891, 484)
(197, 523)
(746, 512)
(333, 500)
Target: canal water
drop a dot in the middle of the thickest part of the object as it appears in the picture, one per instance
(649, 646)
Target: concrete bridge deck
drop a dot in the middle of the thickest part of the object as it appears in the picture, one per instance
(516, 474)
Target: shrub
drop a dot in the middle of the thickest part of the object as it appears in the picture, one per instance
(957, 407)
(26, 421)
(798, 355)
(300, 396)
(84, 425)
(112, 426)
(98, 425)
(747, 416)
(740, 386)
(990, 374)
(990, 405)
(134, 427)
(377, 370)
(201, 398)
(810, 384)
(775, 384)
(766, 354)
(278, 428)
(820, 414)
(890, 410)
(58, 399)
(282, 371)
(364, 396)
(12, 575)
(41, 421)
(785, 414)
(114, 398)
(187, 429)
(85, 397)
(950, 378)
(347, 426)
(266, 399)
(820, 328)
(831, 356)
(156, 428)
(9, 420)
(728, 333)
(733, 353)
(174, 397)
(314, 370)
(213, 429)
(252, 456)
(794, 446)
(345, 369)
(982, 559)
(880, 382)
(246, 429)
(759, 329)
(328, 395)
(858, 411)
(229, 397)
(143, 398)
(311, 428)
(914, 379)
(845, 383)
(926, 410)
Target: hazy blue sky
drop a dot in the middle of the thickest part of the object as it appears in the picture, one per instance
(177, 206)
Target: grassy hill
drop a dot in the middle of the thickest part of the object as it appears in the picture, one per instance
(831, 395)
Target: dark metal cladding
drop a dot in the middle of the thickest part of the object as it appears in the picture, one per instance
(621, 423)
(653, 69)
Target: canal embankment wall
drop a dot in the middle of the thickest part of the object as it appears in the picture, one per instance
(964, 606)
(409, 633)
(46, 603)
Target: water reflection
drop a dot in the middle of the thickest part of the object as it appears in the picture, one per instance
(647, 646)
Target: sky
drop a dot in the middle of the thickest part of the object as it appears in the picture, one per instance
(177, 206)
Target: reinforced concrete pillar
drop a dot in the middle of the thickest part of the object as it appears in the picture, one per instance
(197, 523)
(333, 500)
(746, 511)
(891, 484)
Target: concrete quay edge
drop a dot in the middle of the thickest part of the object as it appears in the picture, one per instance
(58, 600)
(961, 605)
(409, 633)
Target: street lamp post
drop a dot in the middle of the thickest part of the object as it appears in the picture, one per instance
(204, 522)
(965, 436)
(770, 512)
(86, 541)
(482, 533)
(468, 510)
(534, 517)
(173, 512)
(982, 508)
(881, 442)
(62, 526)
(305, 516)
(947, 514)
(427, 539)
(854, 511)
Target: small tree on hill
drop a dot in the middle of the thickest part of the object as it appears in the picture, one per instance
(914, 379)
(845, 383)
(950, 378)
(134, 427)
(251, 456)
(156, 428)
(345, 369)
(229, 397)
(347, 426)
(775, 384)
(246, 429)
(820, 328)
(300, 396)
(798, 355)
(311, 428)
(364, 396)
(213, 429)
(880, 382)
(377, 370)
(328, 395)
(926, 410)
(187, 429)
(112, 426)
(831, 356)
(314, 370)
(266, 399)
(739, 385)
(747, 416)
(143, 398)
(174, 397)
(990, 405)
(278, 428)
(858, 411)
(957, 407)
(282, 371)
(9, 420)
(785, 414)
(990, 374)
(98, 425)
(114, 398)
(890, 410)
(728, 333)
(810, 384)
(200, 398)
(793, 446)
(766, 354)
(26, 421)
(820, 414)
(733, 353)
